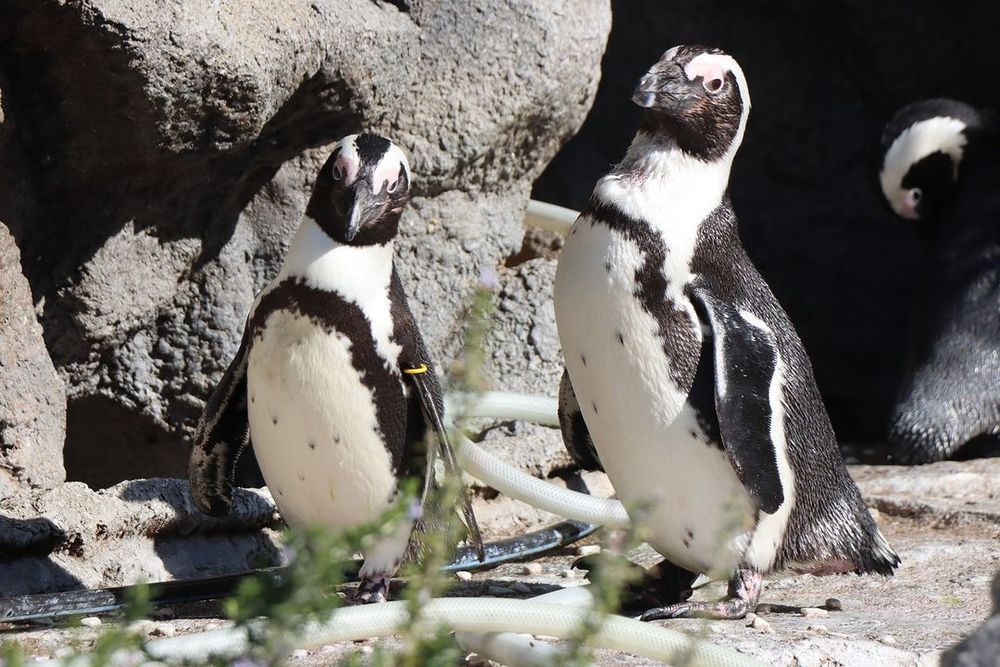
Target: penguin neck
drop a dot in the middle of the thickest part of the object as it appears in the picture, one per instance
(328, 264)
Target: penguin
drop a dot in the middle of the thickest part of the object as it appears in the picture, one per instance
(684, 379)
(332, 383)
(940, 172)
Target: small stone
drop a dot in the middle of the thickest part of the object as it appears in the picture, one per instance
(813, 612)
(888, 640)
(63, 652)
(521, 587)
(588, 550)
(568, 573)
(300, 653)
(818, 629)
(141, 627)
(90, 622)
(366, 650)
(499, 590)
(758, 623)
(163, 630)
(212, 626)
(328, 648)
(164, 614)
(464, 575)
(833, 604)
(532, 569)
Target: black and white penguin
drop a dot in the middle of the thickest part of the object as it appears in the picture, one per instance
(941, 170)
(685, 379)
(332, 383)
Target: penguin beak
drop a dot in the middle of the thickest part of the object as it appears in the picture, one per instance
(662, 90)
(364, 208)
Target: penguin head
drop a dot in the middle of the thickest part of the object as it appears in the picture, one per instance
(361, 191)
(922, 149)
(697, 97)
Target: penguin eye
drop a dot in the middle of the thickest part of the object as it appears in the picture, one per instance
(915, 195)
(338, 172)
(713, 86)
(393, 186)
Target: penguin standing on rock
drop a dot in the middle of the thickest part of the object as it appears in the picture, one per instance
(685, 380)
(941, 171)
(332, 383)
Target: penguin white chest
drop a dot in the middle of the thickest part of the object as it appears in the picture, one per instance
(648, 437)
(314, 425)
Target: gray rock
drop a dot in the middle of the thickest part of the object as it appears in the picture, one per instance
(140, 530)
(181, 141)
(32, 396)
(523, 344)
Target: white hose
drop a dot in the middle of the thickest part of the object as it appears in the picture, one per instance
(549, 217)
(504, 406)
(464, 615)
(515, 483)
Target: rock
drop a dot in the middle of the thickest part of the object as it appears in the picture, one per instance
(588, 550)
(463, 575)
(813, 612)
(32, 397)
(537, 450)
(179, 157)
(982, 646)
(163, 630)
(532, 569)
(833, 604)
(523, 344)
(90, 622)
(141, 530)
(759, 623)
(802, 145)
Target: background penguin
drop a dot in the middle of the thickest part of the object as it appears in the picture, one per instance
(332, 383)
(941, 170)
(684, 376)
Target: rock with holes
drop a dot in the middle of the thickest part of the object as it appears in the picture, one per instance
(523, 344)
(174, 146)
(32, 396)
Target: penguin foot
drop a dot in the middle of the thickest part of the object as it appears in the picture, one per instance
(744, 591)
(661, 584)
(372, 589)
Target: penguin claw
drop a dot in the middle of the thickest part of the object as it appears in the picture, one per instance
(371, 590)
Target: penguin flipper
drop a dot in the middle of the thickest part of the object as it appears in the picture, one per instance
(223, 432)
(576, 435)
(746, 359)
(429, 392)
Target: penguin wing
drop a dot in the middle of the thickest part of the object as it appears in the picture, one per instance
(223, 431)
(746, 359)
(576, 435)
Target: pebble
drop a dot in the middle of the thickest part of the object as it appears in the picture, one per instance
(819, 629)
(568, 573)
(588, 550)
(163, 630)
(889, 640)
(499, 590)
(165, 614)
(63, 652)
(521, 587)
(141, 627)
(328, 648)
(833, 604)
(366, 650)
(212, 626)
(813, 612)
(463, 575)
(90, 622)
(532, 569)
(300, 653)
(758, 623)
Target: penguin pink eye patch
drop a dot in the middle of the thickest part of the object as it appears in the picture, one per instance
(386, 173)
(711, 70)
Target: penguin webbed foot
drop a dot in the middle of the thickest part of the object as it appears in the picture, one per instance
(371, 589)
(661, 584)
(744, 591)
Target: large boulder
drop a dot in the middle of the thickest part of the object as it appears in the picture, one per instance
(824, 78)
(173, 149)
(32, 396)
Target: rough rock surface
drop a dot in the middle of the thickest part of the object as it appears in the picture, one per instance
(32, 396)
(146, 530)
(176, 144)
(824, 78)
